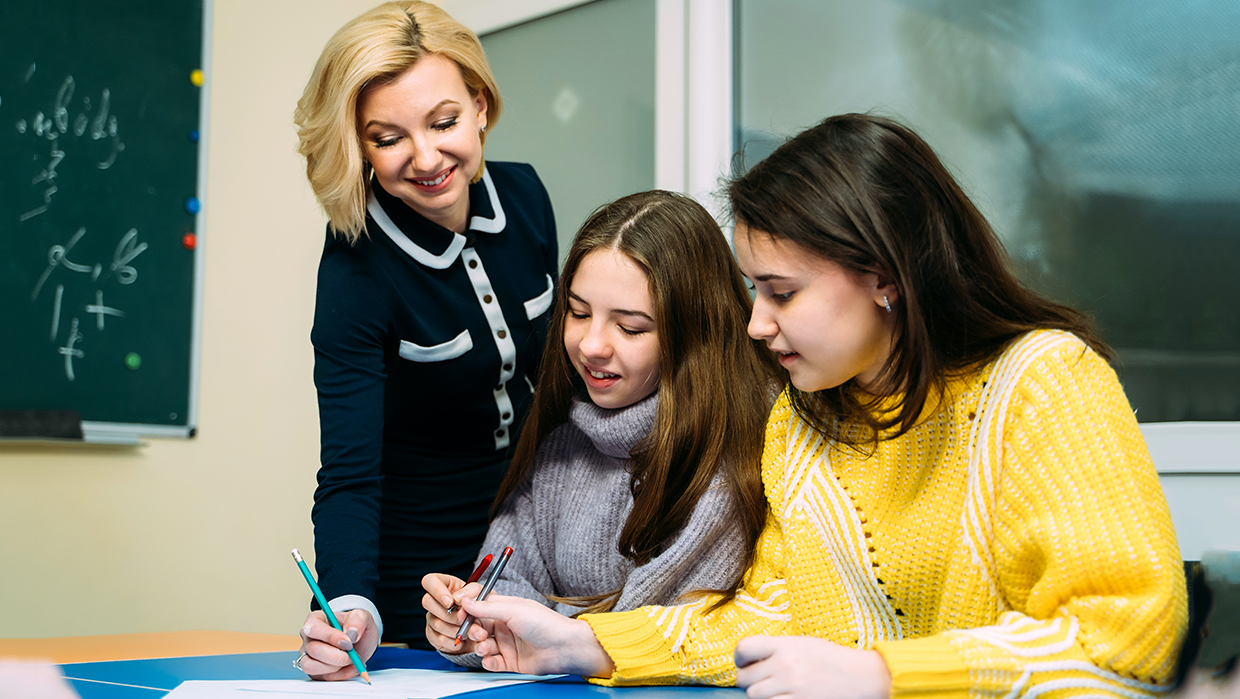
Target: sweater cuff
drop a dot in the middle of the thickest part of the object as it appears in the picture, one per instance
(924, 668)
(347, 603)
(470, 660)
(636, 647)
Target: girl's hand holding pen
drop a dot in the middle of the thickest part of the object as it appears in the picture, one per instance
(514, 634)
(326, 648)
(442, 622)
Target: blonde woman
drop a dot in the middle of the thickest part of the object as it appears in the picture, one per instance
(434, 291)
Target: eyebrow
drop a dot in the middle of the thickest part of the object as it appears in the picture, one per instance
(376, 122)
(769, 277)
(621, 311)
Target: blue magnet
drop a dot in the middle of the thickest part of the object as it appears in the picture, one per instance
(193, 135)
(192, 205)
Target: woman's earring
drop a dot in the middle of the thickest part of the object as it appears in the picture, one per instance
(886, 303)
(482, 129)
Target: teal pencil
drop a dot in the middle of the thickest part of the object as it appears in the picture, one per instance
(318, 595)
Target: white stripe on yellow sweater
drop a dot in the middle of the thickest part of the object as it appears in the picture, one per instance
(852, 562)
(778, 612)
(801, 440)
(975, 518)
(1114, 683)
(765, 604)
(1015, 628)
(821, 499)
(678, 620)
(684, 629)
(839, 559)
(985, 433)
(1009, 642)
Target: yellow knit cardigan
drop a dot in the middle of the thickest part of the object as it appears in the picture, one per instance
(1015, 543)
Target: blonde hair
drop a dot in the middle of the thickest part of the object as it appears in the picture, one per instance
(374, 48)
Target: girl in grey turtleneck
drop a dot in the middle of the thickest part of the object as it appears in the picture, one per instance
(636, 479)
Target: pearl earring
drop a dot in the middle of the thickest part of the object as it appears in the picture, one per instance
(482, 129)
(886, 303)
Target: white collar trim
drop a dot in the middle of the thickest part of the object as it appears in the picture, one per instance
(417, 252)
(490, 225)
(447, 257)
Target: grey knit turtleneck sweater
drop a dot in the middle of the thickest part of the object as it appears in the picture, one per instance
(564, 523)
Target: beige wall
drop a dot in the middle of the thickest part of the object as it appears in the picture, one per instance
(195, 534)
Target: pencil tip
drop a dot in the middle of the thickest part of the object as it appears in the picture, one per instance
(366, 676)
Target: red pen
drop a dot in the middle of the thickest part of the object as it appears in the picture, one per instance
(473, 577)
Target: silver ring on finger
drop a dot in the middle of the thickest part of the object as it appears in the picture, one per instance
(297, 662)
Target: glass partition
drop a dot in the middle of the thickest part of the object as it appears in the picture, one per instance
(578, 89)
(1101, 139)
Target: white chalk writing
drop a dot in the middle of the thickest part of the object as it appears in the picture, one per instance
(70, 351)
(101, 310)
(60, 295)
(122, 267)
(126, 251)
(57, 125)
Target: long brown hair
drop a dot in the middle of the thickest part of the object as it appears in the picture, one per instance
(869, 194)
(714, 386)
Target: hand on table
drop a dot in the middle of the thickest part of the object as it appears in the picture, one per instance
(327, 650)
(803, 666)
(23, 679)
(520, 635)
(442, 591)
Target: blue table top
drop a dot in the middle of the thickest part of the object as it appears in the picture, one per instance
(151, 679)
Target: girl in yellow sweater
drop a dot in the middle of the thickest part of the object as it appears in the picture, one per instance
(959, 499)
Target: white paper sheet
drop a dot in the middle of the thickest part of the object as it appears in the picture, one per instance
(396, 683)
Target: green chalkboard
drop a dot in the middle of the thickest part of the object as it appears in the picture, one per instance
(100, 148)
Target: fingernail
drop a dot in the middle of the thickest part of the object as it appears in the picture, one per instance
(447, 601)
(305, 630)
(352, 634)
(345, 645)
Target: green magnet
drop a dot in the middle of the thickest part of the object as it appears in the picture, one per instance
(132, 360)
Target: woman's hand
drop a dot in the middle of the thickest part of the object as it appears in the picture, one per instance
(802, 666)
(442, 591)
(327, 650)
(520, 635)
(20, 677)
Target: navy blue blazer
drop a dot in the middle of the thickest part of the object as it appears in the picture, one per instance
(427, 345)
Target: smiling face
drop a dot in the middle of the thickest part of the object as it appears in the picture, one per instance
(609, 332)
(420, 133)
(827, 324)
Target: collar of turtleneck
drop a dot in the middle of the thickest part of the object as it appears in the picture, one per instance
(615, 432)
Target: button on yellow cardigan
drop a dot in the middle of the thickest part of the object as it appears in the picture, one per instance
(1015, 543)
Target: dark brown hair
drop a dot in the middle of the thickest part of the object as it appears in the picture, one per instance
(867, 193)
(715, 386)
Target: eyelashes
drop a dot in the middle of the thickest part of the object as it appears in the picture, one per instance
(445, 125)
(626, 331)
